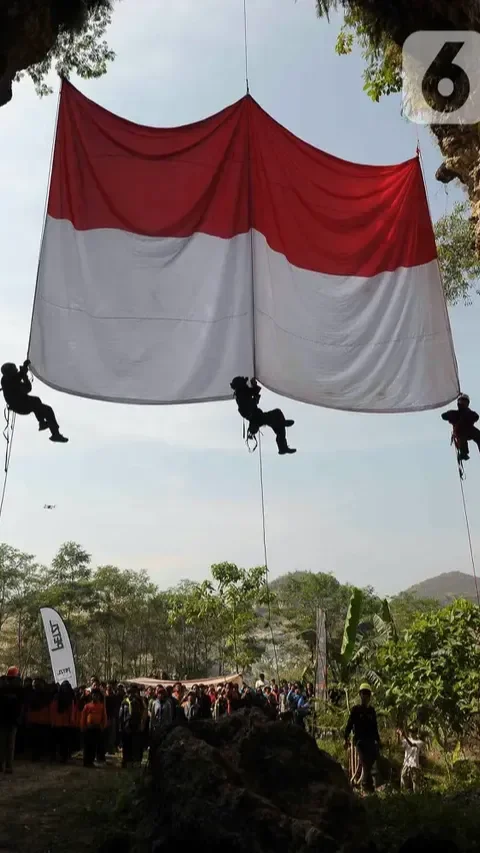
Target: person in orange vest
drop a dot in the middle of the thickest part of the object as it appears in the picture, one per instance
(38, 719)
(93, 724)
(63, 714)
(11, 705)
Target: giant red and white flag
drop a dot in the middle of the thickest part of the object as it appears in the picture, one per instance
(174, 259)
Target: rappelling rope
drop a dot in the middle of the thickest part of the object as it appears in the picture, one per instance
(265, 554)
(8, 434)
(9, 430)
(258, 442)
(459, 461)
(469, 535)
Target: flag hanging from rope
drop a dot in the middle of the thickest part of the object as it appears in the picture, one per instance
(174, 259)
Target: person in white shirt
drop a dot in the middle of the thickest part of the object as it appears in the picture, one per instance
(412, 776)
(260, 682)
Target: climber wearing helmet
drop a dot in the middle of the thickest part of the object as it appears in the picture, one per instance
(363, 722)
(16, 388)
(247, 396)
(463, 420)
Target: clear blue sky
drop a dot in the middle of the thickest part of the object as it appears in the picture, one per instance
(374, 499)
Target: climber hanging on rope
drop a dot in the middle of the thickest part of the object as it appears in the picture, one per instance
(247, 396)
(16, 387)
(463, 420)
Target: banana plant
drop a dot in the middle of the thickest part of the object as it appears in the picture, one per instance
(349, 641)
(362, 640)
(385, 624)
(350, 630)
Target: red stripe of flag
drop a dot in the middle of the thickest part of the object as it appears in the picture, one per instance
(322, 213)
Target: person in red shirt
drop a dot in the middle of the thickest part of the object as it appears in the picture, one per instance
(274, 688)
(93, 724)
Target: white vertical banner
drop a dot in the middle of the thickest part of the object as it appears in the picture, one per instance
(59, 646)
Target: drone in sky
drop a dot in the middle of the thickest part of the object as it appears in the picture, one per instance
(50, 506)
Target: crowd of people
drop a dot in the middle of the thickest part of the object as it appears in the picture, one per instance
(43, 721)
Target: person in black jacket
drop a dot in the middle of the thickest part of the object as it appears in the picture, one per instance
(463, 420)
(16, 387)
(131, 719)
(363, 722)
(11, 702)
(247, 396)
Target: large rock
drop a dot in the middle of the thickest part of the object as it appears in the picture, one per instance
(246, 784)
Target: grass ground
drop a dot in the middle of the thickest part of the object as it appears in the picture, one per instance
(50, 807)
(448, 808)
(455, 817)
(47, 808)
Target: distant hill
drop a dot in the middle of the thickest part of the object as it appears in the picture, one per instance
(446, 587)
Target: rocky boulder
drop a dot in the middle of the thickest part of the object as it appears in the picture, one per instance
(247, 784)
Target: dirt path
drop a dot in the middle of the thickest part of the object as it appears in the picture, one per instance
(46, 808)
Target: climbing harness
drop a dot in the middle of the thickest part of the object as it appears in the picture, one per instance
(6, 435)
(249, 436)
(460, 459)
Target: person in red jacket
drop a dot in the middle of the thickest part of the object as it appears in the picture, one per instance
(463, 420)
(93, 724)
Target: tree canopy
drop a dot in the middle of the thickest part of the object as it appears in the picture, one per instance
(122, 625)
(459, 261)
(37, 36)
(435, 671)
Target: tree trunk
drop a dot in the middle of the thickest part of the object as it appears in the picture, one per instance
(460, 146)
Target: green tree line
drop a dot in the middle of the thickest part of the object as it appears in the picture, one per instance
(123, 625)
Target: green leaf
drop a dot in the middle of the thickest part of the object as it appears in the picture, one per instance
(351, 627)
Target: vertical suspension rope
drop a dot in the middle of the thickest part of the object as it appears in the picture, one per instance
(45, 211)
(252, 272)
(265, 555)
(260, 457)
(445, 306)
(245, 39)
